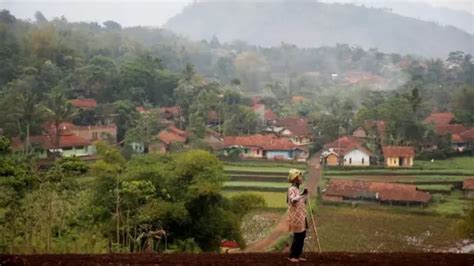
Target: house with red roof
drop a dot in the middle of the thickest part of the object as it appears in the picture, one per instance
(85, 104)
(66, 145)
(468, 187)
(167, 137)
(268, 146)
(444, 124)
(381, 192)
(105, 133)
(229, 246)
(346, 151)
(439, 118)
(296, 129)
(162, 142)
(398, 156)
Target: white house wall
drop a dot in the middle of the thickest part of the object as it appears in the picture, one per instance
(354, 158)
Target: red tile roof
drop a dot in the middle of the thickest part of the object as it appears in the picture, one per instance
(398, 151)
(456, 138)
(172, 134)
(376, 190)
(280, 144)
(229, 244)
(439, 118)
(298, 126)
(70, 140)
(344, 142)
(168, 137)
(257, 140)
(468, 135)
(83, 103)
(49, 141)
(468, 183)
(450, 129)
(399, 192)
(177, 131)
(267, 142)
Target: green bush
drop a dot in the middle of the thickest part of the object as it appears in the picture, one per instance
(187, 245)
(72, 166)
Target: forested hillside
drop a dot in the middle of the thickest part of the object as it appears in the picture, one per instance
(127, 67)
(313, 24)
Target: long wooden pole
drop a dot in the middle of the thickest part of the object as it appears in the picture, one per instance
(314, 227)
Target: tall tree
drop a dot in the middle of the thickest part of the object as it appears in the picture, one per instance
(464, 106)
(24, 108)
(60, 110)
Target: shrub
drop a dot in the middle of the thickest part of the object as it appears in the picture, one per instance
(72, 166)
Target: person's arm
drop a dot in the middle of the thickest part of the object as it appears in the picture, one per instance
(294, 195)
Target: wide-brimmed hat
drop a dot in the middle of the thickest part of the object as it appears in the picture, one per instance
(293, 174)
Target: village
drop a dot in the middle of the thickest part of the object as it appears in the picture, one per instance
(281, 140)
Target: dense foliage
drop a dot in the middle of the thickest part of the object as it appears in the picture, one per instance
(54, 211)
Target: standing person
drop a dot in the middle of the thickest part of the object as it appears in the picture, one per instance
(297, 214)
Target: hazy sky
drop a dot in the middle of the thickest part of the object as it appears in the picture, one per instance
(150, 12)
(127, 13)
(466, 5)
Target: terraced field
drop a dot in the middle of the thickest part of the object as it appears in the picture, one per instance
(268, 180)
(443, 179)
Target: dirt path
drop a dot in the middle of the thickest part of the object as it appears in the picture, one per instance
(329, 258)
(282, 227)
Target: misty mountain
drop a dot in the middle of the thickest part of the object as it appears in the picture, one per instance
(313, 24)
(444, 16)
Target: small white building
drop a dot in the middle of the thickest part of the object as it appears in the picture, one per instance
(357, 156)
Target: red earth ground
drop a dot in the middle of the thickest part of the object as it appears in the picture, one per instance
(241, 259)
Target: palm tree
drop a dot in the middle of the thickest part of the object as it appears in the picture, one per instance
(59, 110)
(23, 107)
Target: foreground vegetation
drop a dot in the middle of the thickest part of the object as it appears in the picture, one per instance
(50, 211)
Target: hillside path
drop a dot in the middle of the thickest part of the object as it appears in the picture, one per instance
(314, 173)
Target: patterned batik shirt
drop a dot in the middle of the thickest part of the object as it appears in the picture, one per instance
(296, 210)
